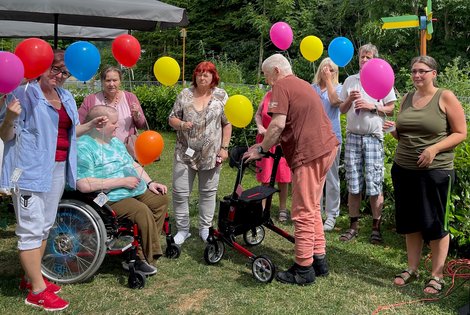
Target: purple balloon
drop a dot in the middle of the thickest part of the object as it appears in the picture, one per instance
(281, 35)
(377, 78)
(12, 72)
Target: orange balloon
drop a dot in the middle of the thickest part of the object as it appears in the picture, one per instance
(148, 147)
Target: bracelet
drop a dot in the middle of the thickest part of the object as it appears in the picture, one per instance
(224, 148)
(181, 125)
(148, 184)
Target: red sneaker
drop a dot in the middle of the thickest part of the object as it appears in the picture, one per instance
(47, 300)
(51, 287)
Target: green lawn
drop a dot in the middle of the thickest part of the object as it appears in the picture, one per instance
(359, 282)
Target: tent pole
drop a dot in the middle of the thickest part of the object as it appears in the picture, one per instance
(183, 34)
(56, 29)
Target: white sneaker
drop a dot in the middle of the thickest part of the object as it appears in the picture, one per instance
(329, 224)
(181, 236)
(204, 234)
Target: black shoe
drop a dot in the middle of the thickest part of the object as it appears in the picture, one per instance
(142, 266)
(320, 265)
(297, 275)
(146, 268)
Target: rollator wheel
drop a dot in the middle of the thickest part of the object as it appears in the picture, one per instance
(76, 245)
(136, 281)
(263, 269)
(214, 252)
(254, 236)
(172, 251)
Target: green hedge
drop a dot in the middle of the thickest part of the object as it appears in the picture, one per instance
(157, 102)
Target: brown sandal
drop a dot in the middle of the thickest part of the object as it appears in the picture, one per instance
(348, 235)
(436, 284)
(407, 276)
(376, 237)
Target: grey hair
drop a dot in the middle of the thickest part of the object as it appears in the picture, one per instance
(107, 69)
(100, 110)
(369, 48)
(326, 62)
(277, 61)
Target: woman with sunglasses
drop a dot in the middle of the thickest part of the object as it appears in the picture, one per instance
(430, 124)
(40, 159)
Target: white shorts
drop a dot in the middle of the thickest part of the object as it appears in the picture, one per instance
(36, 211)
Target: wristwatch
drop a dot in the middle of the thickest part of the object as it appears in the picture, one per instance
(260, 151)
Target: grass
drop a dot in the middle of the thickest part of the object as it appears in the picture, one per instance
(359, 282)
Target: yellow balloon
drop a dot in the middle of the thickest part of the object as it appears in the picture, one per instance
(311, 48)
(166, 70)
(239, 111)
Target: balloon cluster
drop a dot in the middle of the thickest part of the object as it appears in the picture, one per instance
(377, 76)
(340, 49)
(32, 57)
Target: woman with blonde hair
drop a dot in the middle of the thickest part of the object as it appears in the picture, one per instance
(325, 83)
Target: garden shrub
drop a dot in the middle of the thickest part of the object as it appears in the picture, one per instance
(157, 102)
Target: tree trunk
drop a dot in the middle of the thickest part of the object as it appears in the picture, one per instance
(261, 54)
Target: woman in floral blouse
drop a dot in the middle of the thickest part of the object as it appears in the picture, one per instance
(203, 136)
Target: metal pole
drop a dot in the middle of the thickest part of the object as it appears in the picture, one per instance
(183, 34)
(56, 30)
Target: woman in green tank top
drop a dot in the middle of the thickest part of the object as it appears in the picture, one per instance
(430, 124)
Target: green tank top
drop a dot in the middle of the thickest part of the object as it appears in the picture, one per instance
(419, 129)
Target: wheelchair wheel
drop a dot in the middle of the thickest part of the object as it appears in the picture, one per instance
(136, 281)
(172, 251)
(263, 269)
(76, 245)
(254, 236)
(214, 252)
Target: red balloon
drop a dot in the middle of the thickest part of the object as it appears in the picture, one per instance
(148, 147)
(37, 56)
(126, 50)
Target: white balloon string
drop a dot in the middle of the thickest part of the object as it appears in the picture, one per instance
(246, 139)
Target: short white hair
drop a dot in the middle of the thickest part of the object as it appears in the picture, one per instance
(277, 61)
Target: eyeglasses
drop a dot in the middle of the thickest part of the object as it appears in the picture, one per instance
(420, 71)
(57, 70)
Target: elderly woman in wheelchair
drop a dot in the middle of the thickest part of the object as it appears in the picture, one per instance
(104, 166)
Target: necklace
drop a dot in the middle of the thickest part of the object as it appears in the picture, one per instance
(109, 102)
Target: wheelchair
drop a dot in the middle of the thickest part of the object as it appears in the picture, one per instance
(84, 233)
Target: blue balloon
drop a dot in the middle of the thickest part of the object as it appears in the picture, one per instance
(82, 59)
(341, 51)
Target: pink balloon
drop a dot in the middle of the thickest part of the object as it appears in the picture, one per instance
(377, 78)
(281, 35)
(12, 72)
